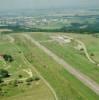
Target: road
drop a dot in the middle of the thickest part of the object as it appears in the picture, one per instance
(86, 52)
(10, 38)
(80, 76)
(38, 73)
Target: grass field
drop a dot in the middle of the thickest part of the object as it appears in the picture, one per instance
(55, 73)
(68, 53)
(92, 44)
(28, 56)
(16, 68)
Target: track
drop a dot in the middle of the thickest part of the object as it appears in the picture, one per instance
(86, 52)
(31, 66)
(80, 76)
(10, 38)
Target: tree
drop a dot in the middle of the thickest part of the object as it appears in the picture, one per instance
(4, 73)
(8, 58)
(1, 80)
(92, 54)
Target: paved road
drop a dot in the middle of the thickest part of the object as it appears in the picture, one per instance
(80, 76)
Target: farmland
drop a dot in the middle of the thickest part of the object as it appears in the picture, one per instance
(54, 81)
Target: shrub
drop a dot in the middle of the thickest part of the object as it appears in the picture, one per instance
(15, 83)
(0, 89)
(29, 80)
(28, 83)
(20, 76)
(91, 54)
(1, 80)
(37, 78)
(4, 73)
(8, 58)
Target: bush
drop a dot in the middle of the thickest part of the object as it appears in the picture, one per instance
(4, 73)
(20, 76)
(8, 58)
(29, 80)
(91, 54)
(32, 79)
(1, 80)
(28, 83)
(15, 83)
(36, 78)
(0, 89)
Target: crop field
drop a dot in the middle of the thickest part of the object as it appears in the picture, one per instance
(36, 74)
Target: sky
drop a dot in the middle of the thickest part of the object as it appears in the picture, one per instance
(43, 4)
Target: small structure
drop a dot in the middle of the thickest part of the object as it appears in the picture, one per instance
(62, 39)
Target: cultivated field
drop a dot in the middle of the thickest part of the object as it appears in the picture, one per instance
(42, 55)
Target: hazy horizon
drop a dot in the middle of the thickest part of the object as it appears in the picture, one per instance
(46, 4)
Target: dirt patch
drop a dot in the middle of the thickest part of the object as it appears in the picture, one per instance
(61, 39)
(7, 30)
(29, 72)
(78, 47)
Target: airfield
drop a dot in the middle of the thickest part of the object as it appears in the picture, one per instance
(50, 66)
